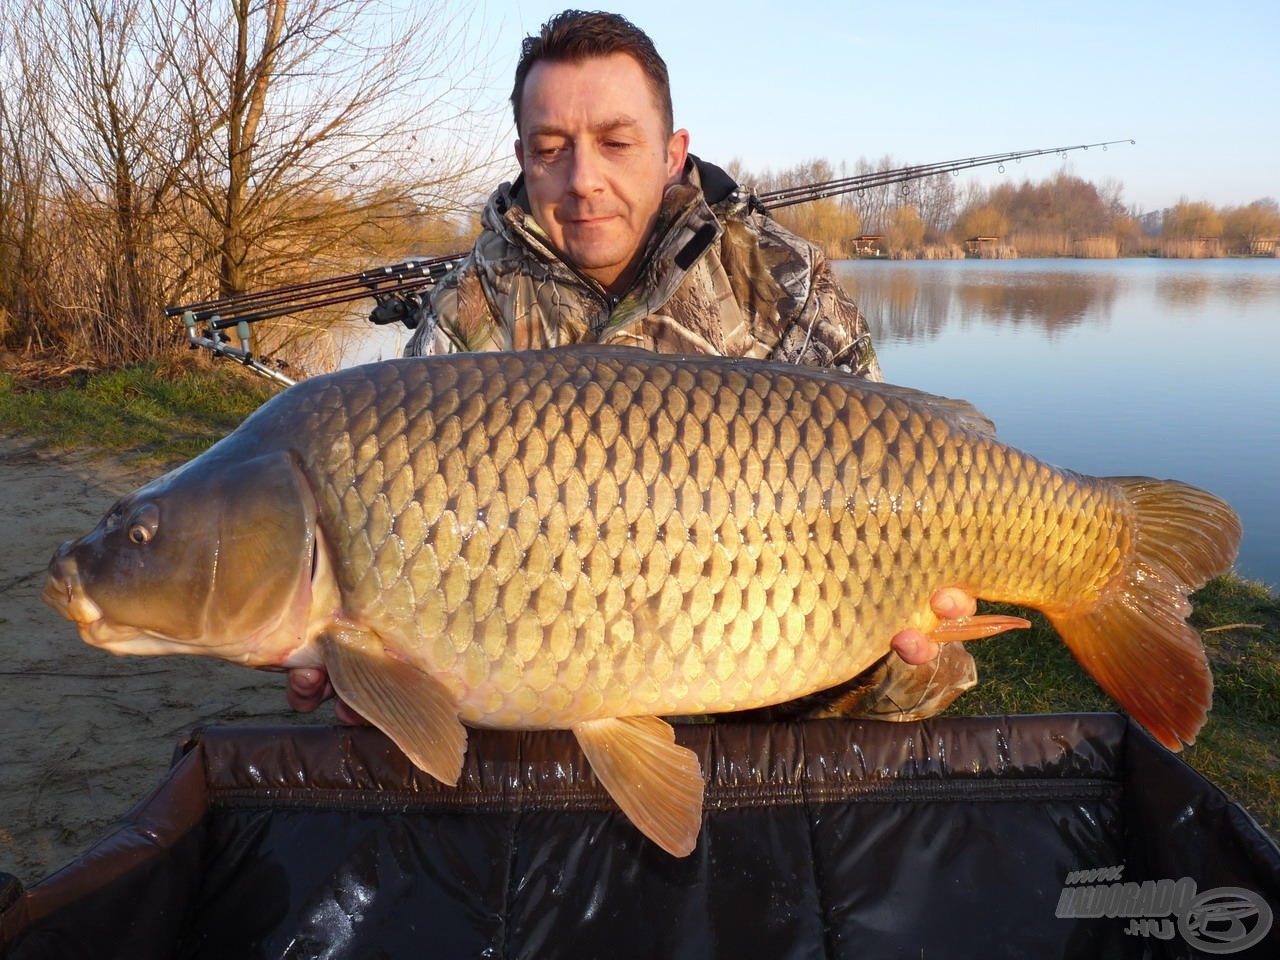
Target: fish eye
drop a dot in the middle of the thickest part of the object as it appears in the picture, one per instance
(143, 524)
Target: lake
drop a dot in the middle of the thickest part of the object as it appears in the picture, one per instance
(1165, 368)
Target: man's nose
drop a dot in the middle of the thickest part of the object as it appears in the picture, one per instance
(586, 172)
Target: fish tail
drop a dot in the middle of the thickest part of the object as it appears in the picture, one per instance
(1134, 639)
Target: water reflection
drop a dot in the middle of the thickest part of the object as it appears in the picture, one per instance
(1185, 292)
(1052, 300)
(1156, 367)
(1194, 291)
(909, 309)
(914, 301)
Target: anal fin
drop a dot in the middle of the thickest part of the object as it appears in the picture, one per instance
(657, 783)
(411, 707)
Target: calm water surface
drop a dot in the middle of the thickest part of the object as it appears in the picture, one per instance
(1165, 368)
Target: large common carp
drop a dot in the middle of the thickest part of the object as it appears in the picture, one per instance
(593, 538)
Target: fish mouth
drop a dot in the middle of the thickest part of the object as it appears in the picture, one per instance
(65, 593)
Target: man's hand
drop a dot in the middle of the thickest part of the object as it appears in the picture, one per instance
(949, 603)
(308, 687)
(956, 612)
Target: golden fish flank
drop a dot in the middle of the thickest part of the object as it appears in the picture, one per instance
(594, 537)
(599, 561)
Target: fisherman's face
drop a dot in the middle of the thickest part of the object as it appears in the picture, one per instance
(596, 158)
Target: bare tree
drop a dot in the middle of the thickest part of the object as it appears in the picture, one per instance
(1191, 220)
(827, 222)
(875, 205)
(982, 220)
(1243, 228)
(24, 158)
(327, 122)
(84, 108)
(110, 131)
(195, 149)
(935, 201)
(906, 231)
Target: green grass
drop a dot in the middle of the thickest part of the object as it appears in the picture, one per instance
(1239, 748)
(148, 413)
(1031, 671)
(165, 416)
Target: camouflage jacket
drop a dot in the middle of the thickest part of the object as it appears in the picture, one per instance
(720, 277)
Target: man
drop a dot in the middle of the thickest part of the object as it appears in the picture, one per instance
(614, 233)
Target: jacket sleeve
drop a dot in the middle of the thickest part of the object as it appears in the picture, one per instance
(455, 317)
(829, 330)
(816, 321)
(856, 351)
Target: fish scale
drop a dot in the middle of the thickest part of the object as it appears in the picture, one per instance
(596, 537)
(674, 543)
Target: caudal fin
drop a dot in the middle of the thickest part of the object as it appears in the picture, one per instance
(1135, 640)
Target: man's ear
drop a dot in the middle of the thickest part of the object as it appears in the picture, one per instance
(520, 154)
(677, 153)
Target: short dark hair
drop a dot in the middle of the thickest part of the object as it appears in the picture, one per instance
(575, 35)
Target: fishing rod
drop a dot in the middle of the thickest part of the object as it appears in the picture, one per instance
(297, 297)
(398, 289)
(865, 181)
(394, 288)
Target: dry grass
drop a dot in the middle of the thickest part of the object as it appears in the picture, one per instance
(1188, 249)
(1096, 248)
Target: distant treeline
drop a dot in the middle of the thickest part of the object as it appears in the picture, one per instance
(1059, 216)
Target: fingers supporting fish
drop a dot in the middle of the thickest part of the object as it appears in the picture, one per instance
(952, 603)
(914, 646)
(346, 715)
(959, 629)
(307, 688)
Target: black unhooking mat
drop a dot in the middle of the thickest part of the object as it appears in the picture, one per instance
(1046, 836)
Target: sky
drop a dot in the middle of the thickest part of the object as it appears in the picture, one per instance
(775, 85)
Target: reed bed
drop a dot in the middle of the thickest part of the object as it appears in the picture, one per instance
(934, 251)
(1197, 249)
(1096, 248)
(1037, 244)
(991, 250)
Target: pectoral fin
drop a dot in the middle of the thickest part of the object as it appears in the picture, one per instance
(657, 783)
(414, 709)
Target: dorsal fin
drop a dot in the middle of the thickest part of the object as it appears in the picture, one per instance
(960, 412)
